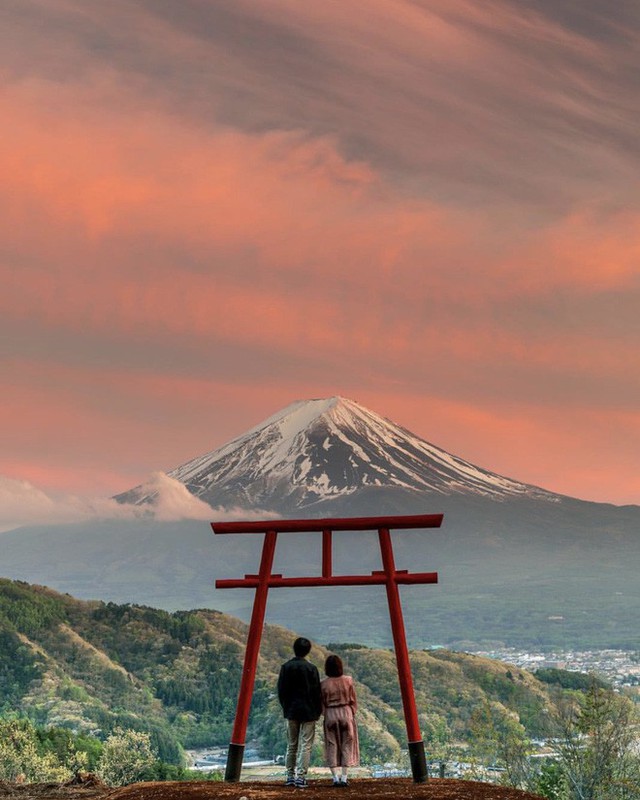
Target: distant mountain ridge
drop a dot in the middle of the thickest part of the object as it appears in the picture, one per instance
(314, 451)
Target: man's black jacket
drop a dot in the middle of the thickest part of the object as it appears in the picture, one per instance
(299, 690)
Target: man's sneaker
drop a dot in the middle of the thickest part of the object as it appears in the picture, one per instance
(301, 783)
(291, 781)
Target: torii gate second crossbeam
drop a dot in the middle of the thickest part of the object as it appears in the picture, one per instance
(389, 576)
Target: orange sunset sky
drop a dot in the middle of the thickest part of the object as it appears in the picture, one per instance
(212, 208)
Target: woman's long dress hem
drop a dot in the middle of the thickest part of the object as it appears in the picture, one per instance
(341, 745)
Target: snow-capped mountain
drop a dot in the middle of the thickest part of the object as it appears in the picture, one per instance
(517, 564)
(317, 451)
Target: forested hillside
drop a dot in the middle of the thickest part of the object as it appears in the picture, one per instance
(91, 667)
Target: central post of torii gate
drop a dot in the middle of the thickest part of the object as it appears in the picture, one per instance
(389, 576)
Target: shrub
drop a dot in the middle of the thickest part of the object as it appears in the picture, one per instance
(126, 757)
(20, 759)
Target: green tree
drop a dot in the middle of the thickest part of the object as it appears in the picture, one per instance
(549, 781)
(437, 736)
(500, 740)
(22, 760)
(595, 744)
(126, 757)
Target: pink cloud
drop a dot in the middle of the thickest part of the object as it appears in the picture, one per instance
(259, 206)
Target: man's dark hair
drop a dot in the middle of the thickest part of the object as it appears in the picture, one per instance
(301, 646)
(333, 667)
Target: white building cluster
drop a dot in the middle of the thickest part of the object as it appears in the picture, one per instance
(618, 667)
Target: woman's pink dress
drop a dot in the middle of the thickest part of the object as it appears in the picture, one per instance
(341, 747)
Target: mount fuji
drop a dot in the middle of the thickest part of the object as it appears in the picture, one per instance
(315, 453)
(518, 564)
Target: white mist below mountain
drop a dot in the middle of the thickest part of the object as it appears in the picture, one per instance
(317, 451)
(168, 500)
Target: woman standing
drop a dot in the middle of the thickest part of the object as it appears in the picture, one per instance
(341, 747)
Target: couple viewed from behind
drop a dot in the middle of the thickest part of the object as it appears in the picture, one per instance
(304, 697)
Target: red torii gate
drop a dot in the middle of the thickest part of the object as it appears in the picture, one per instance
(389, 576)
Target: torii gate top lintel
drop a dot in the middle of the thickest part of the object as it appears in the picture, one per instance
(332, 524)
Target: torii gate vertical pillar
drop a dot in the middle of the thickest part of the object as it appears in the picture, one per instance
(415, 744)
(389, 576)
(247, 681)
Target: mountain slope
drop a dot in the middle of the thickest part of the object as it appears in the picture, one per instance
(321, 450)
(93, 666)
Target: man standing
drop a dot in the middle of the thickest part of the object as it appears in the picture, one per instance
(299, 695)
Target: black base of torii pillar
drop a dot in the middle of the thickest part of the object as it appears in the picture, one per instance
(389, 576)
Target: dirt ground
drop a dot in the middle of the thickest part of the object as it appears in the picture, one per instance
(371, 788)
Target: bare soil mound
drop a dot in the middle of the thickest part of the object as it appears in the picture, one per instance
(84, 786)
(371, 788)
